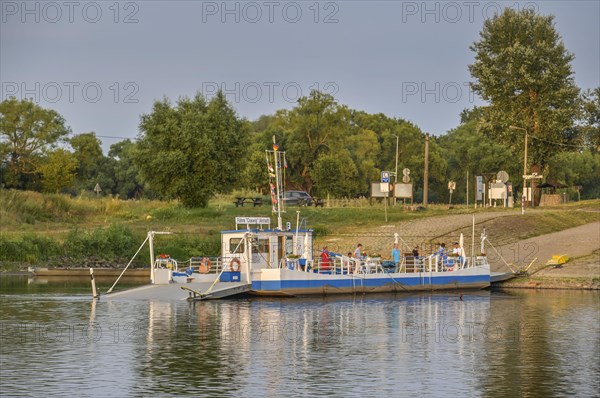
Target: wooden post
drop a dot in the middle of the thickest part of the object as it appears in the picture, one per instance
(467, 189)
(426, 173)
(94, 291)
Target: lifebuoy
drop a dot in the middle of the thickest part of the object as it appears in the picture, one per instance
(204, 267)
(234, 265)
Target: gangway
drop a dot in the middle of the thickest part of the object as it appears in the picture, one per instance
(180, 291)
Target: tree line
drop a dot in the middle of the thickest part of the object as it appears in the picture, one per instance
(194, 148)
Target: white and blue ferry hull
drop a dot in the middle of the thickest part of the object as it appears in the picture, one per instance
(284, 281)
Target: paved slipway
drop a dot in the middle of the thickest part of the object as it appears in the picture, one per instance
(581, 243)
(424, 232)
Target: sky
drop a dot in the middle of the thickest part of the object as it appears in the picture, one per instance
(102, 64)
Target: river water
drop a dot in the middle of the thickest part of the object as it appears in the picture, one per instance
(56, 341)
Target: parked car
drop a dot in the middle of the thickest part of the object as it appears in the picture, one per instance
(297, 198)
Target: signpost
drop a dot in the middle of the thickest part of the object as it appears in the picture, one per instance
(97, 189)
(385, 188)
(478, 189)
(385, 176)
(451, 188)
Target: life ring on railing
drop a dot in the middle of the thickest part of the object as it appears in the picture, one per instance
(234, 265)
(204, 267)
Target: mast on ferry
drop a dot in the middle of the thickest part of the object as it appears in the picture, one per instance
(275, 173)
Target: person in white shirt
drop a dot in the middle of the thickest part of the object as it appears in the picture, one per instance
(457, 251)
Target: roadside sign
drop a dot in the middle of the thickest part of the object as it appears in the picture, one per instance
(405, 171)
(502, 176)
(385, 176)
(376, 191)
(384, 187)
(405, 179)
(403, 191)
(451, 185)
(479, 180)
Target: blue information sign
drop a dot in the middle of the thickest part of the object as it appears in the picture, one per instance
(385, 176)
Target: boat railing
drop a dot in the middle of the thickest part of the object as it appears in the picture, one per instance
(349, 265)
(166, 262)
(445, 263)
(205, 265)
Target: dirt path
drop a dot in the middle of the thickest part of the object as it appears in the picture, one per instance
(580, 243)
(505, 231)
(423, 232)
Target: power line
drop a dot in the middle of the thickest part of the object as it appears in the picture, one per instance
(558, 143)
(107, 136)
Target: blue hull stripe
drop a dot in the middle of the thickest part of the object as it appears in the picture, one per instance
(424, 281)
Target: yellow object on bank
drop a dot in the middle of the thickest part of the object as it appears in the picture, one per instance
(558, 259)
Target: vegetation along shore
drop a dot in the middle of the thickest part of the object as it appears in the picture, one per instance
(59, 231)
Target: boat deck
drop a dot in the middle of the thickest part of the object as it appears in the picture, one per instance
(181, 291)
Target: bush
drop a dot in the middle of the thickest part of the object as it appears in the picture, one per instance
(28, 249)
(110, 243)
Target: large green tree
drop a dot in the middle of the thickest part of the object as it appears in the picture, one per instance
(468, 150)
(577, 168)
(315, 126)
(192, 150)
(125, 171)
(27, 132)
(335, 174)
(58, 170)
(523, 70)
(588, 126)
(88, 152)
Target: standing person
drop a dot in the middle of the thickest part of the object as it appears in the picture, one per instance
(396, 254)
(358, 258)
(325, 260)
(441, 251)
(358, 252)
(442, 254)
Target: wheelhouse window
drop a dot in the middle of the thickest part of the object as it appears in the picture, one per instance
(233, 244)
(262, 246)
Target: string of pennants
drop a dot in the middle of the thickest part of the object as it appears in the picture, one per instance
(276, 162)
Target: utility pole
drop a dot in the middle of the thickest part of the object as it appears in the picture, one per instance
(426, 174)
(396, 173)
(524, 199)
(468, 190)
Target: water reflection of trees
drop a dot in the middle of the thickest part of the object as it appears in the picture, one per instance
(545, 348)
(492, 344)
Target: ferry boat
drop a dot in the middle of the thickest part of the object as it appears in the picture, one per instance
(260, 259)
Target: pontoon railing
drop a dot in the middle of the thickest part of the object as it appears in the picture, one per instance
(349, 265)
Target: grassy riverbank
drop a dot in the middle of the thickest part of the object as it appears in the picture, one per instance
(57, 230)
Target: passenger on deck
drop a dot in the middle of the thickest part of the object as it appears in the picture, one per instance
(325, 263)
(415, 251)
(358, 252)
(441, 251)
(396, 255)
(457, 251)
(442, 254)
(358, 257)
